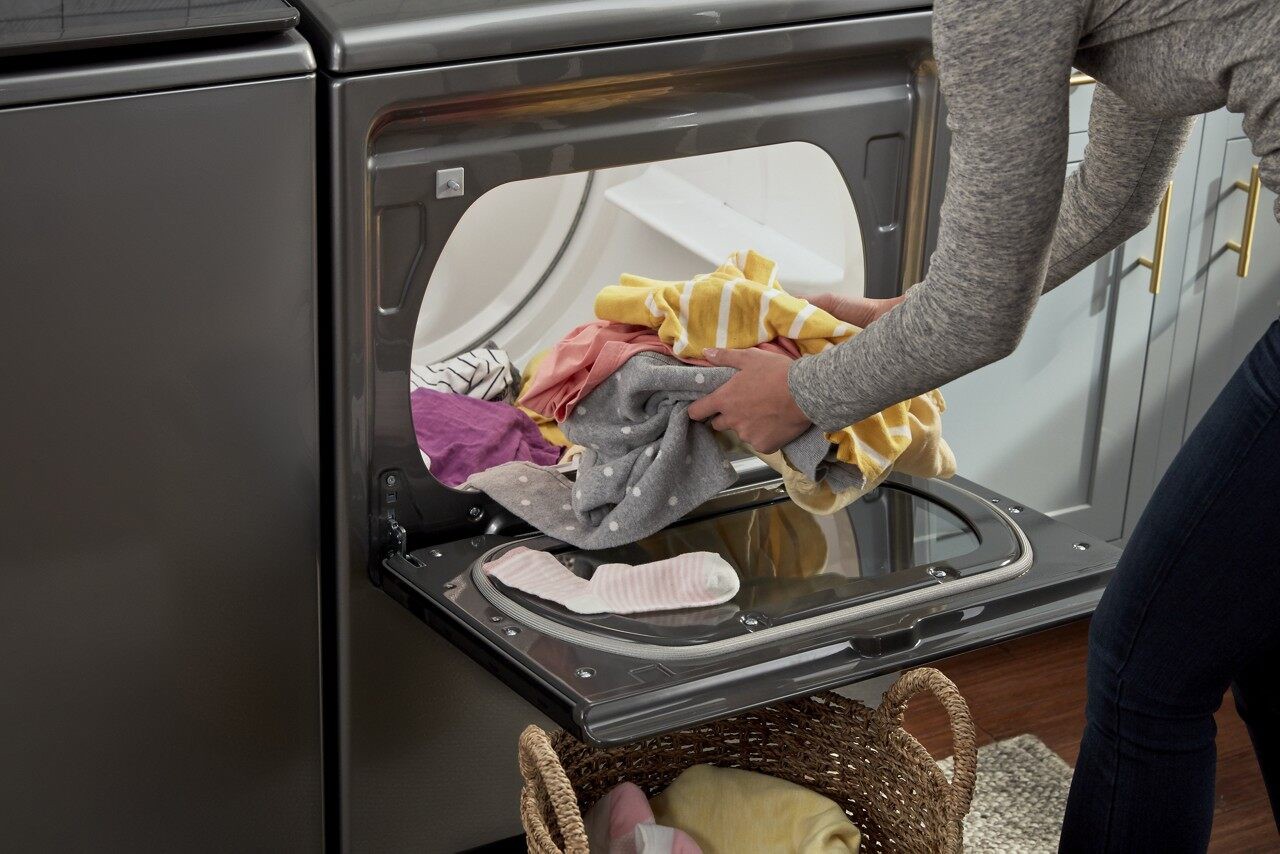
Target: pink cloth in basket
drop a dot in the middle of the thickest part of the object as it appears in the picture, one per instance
(622, 823)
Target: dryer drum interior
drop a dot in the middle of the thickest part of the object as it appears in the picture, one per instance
(499, 197)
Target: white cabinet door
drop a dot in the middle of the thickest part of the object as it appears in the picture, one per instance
(1052, 425)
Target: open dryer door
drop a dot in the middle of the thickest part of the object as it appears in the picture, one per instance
(912, 572)
(915, 571)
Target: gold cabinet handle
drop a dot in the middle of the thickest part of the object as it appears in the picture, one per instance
(1079, 79)
(1156, 265)
(1245, 246)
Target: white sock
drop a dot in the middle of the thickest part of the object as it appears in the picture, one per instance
(692, 580)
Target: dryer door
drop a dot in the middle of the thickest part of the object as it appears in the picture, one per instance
(914, 571)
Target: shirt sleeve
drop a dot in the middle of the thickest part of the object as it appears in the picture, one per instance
(1111, 197)
(1004, 67)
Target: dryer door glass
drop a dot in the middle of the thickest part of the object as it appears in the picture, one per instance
(792, 566)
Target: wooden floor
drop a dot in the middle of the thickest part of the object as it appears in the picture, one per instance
(1036, 685)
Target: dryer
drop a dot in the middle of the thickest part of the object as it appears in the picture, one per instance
(489, 170)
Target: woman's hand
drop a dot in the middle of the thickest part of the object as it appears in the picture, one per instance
(756, 402)
(860, 311)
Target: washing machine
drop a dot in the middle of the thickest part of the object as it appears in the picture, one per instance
(488, 171)
(160, 498)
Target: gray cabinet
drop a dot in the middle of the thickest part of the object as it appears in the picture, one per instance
(1048, 425)
(1056, 424)
(1229, 306)
(1218, 315)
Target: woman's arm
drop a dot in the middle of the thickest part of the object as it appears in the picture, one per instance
(1004, 67)
(1111, 197)
(1007, 227)
(1127, 165)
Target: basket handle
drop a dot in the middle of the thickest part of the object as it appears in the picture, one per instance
(546, 782)
(965, 770)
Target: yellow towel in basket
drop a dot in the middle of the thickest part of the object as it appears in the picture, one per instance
(738, 308)
(730, 811)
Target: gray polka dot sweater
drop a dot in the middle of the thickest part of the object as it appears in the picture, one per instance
(645, 464)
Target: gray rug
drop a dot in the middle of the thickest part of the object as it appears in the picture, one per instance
(1019, 799)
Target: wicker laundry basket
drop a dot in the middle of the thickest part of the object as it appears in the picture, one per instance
(862, 759)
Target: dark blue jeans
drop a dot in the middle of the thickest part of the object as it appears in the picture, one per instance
(1193, 608)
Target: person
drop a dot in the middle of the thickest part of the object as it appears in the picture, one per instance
(1194, 606)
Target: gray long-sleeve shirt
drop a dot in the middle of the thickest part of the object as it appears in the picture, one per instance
(1010, 226)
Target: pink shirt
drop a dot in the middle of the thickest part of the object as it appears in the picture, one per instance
(589, 355)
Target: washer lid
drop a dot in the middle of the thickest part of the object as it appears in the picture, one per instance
(378, 34)
(41, 26)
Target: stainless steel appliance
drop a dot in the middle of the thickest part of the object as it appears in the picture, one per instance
(159, 507)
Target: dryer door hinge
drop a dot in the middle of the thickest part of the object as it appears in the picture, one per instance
(399, 538)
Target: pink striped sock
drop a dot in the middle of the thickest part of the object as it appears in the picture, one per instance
(692, 580)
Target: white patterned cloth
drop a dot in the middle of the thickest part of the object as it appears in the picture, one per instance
(486, 373)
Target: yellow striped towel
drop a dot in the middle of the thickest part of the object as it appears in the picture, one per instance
(739, 307)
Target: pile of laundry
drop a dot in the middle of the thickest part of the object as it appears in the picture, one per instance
(614, 393)
(709, 810)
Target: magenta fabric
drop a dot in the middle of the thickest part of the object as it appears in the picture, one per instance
(464, 435)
